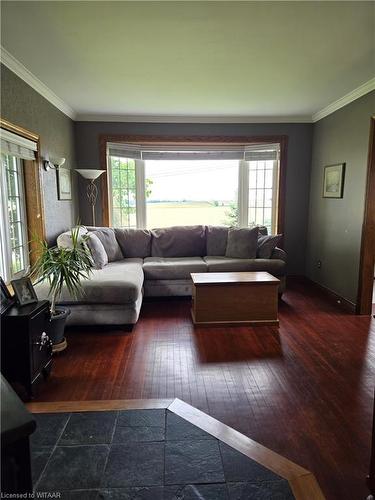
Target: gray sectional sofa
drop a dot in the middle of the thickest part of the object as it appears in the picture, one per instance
(155, 263)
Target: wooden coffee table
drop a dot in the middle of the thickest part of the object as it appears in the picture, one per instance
(235, 298)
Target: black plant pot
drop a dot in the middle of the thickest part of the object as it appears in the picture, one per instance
(57, 328)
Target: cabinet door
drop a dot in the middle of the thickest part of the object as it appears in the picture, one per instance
(40, 345)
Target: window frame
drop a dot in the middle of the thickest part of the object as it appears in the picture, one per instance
(5, 222)
(33, 191)
(180, 141)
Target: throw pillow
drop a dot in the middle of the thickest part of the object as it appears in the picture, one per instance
(266, 245)
(107, 236)
(242, 243)
(99, 255)
(64, 240)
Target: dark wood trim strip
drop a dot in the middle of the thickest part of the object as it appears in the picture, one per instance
(201, 141)
(329, 294)
(301, 481)
(99, 405)
(367, 259)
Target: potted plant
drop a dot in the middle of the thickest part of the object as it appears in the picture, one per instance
(62, 266)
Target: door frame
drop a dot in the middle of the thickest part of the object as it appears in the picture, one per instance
(367, 257)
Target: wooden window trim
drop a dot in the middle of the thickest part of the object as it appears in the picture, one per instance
(33, 190)
(192, 140)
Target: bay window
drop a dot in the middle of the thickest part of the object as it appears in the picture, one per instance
(160, 186)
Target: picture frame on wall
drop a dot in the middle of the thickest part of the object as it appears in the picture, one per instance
(6, 300)
(24, 291)
(333, 184)
(64, 184)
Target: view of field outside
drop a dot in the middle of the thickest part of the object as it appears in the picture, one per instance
(186, 192)
(192, 192)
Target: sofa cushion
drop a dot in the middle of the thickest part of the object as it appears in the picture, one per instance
(107, 236)
(275, 267)
(99, 255)
(242, 243)
(216, 237)
(266, 245)
(117, 283)
(134, 242)
(64, 240)
(178, 241)
(172, 268)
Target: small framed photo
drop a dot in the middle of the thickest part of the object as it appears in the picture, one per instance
(333, 185)
(6, 299)
(24, 291)
(64, 184)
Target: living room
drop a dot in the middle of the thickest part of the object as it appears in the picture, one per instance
(230, 146)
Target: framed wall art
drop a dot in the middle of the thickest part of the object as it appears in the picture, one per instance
(64, 184)
(333, 184)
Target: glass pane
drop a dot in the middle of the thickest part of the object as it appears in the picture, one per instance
(269, 176)
(115, 178)
(259, 202)
(116, 216)
(14, 209)
(252, 217)
(17, 260)
(268, 197)
(116, 197)
(267, 217)
(259, 216)
(16, 235)
(252, 179)
(12, 180)
(260, 179)
(183, 192)
(132, 219)
(252, 197)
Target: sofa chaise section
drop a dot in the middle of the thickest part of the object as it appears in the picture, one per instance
(112, 295)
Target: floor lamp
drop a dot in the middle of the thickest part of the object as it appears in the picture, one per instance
(92, 190)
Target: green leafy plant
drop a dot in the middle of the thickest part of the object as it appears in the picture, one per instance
(61, 266)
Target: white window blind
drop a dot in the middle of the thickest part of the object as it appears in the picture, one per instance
(15, 145)
(253, 152)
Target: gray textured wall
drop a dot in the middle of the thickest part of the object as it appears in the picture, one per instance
(22, 106)
(298, 169)
(335, 225)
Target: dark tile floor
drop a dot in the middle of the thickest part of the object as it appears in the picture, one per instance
(142, 455)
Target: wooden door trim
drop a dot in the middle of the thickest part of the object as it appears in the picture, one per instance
(192, 140)
(367, 258)
(33, 190)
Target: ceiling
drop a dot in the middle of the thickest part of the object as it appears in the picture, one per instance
(272, 60)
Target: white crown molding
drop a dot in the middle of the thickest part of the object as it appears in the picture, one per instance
(92, 117)
(346, 99)
(22, 72)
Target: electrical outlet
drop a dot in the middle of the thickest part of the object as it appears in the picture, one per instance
(319, 264)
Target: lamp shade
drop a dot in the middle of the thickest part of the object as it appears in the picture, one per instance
(89, 173)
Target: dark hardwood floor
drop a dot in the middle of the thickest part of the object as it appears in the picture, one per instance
(304, 389)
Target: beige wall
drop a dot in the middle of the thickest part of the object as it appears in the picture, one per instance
(335, 225)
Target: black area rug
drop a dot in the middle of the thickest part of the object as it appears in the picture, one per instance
(143, 455)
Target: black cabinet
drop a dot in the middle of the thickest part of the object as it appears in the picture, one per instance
(26, 351)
